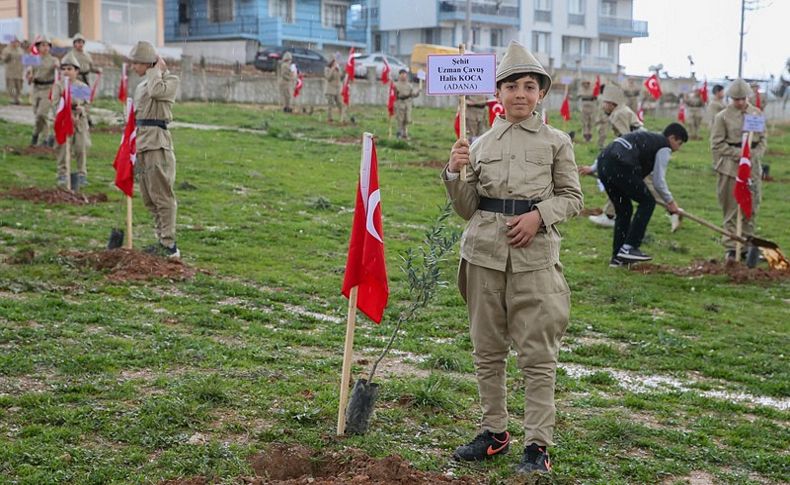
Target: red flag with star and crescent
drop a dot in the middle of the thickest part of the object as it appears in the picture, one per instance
(126, 156)
(64, 124)
(653, 86)
(742, 191)
(565, 109)
(350, 65)
(299, 84)
(495, 108)
(385, 73)
(703, 92)
(345, 93)
(366, 267)
(391, 100)
(682, 112)
(123, 87)
(597, 87)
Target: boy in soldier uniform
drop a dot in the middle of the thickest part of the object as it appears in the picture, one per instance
(14, 70)
(333, 77)
(725, 143)
(404, 92)
(587, 101)
(521, 183)
(717, 103)
(286, 81)
(42, 77)
(155, 167)
(80, 142)
(85, 59)
(476, 122)
(695, 107)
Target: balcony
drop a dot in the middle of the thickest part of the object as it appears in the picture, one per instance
(621, 27)
(589, 62)
(543, 16)
(202, 29)
(483, 13)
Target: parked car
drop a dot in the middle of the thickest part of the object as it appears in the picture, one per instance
(362, 61)
(306, 60)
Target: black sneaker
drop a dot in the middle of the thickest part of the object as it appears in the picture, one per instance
(485, 445)
(616, 262)
(632, 254)
(163, 251)
(535, 460)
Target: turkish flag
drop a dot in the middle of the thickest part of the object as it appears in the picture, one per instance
(299, 84)
(64, 124)
(385, 73)
(758, 100)
(653, 86)
(742, 192)
(95, 87)
(457, 124)
(565, 109)
(703, 92)
(545, 116)
(391, 100)
(123, 88)
(366, 267)
(640, 113)
(127, 153)
(350, 65)
(33, 47)
(495, 109)
(345, 93)
(682, 112)
(597, 86)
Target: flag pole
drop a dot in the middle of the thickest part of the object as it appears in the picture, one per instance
(348, 352)
(128, 222)
(389, 128)
(462, 115)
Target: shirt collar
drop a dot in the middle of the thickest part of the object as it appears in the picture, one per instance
(532, 124)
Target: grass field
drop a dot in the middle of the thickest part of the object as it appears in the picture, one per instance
(663, 378)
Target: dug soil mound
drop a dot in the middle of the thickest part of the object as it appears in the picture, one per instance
(54, 196)
(736, 272)
(131, 265)
(36, 151)
(297, 465)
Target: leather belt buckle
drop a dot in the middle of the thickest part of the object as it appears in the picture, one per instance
(512, 207)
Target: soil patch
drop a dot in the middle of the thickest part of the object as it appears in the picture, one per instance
(737, 273)
(54, 196)
(438, 164)
(34, 151)
(131, 265)
(594, 211)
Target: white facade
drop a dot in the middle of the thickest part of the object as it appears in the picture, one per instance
(590, 32)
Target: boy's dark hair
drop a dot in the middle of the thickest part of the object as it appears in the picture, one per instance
(717, 88)
(678, 131)
(515, 77)
(402, 71)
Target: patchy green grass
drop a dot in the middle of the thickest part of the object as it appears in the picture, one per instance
(107, 382)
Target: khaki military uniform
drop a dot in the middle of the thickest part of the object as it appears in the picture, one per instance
(87, 65)
(14, 71)
(602, 124)
(516, 296)
(476, 116)
(81, 140)
(632, 98)
(588, 105)
(623, 120)
(332, 90)
(725, 141)
(155, 168)
(714, 107)
(404, 92)
(695, 107)
(43, 78)
(285, 83)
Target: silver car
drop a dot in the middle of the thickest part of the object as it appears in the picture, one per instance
(362, 61)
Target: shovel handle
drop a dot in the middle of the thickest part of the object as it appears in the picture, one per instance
(708, 224)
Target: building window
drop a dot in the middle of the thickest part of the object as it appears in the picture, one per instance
(576, 12)
(497, 38)
(184, 11)
(432, 36)
(606, 49)
(576, 45)
(541, 42)
(283, 9)
(220, 11)
(543, 11)
(475, 37)
(128, 21)
(608, 9)
(335, 15)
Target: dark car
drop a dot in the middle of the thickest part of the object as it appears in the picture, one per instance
(306, 60)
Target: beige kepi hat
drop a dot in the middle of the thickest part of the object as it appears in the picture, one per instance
(614, 94)
(739, 89)
(144, 53)
(71, 60)
(518, 60)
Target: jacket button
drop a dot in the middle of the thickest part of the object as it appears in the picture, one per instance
(512, 157)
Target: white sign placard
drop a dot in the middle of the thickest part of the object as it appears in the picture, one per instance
(461, 74)
(755, 123)
(81, 92)
(421, 75)
(566, 80)
(31, 60)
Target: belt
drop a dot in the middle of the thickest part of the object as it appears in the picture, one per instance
(158, 123)
(476, 105)
(588, 98)
(42, 83)
(509, 207)
(738, 145)
(403, 98)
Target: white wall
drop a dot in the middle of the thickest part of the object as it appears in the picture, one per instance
(408, 14)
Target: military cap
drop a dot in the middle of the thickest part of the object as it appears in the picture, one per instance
(518, 60)
(143, 53)
(287, 56)
(586, 81)
(613, 94)
(739, 89)
(43, 40)
(77, 37)
(70, 60)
